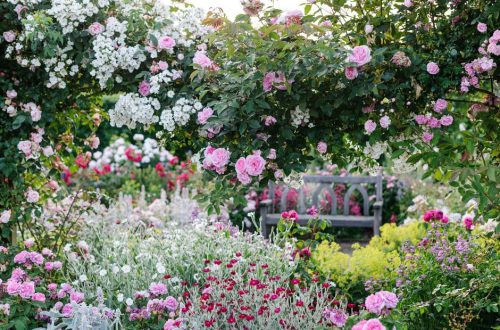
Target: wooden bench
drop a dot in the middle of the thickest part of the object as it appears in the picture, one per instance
(270, 213)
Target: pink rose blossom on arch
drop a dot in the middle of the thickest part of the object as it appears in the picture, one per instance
(202, 60)
(370, 126)
(244, 178)
(144, 88)
(421, 119)
(166, 42)
(254, 164)
(220, 157)
(31, 195)
(446, 120)
(361, 55)
(427, 136)
(432, 68)
(9, 36)
(204, 115)
(440, 105)
(240, 165)
(481, 27)
(96, 28)
(322, 147)
(351, 72)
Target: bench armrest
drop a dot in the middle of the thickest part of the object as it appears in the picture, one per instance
(378, 205)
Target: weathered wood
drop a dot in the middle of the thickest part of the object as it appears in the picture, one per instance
(270, 215)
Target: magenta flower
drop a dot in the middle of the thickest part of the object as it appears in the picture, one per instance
(254, 164)
(144, 88)
(351, 72)
(204, 115)
(427, 136)
(421, 119)
(481, 27)
(446, 120)
(440, 105)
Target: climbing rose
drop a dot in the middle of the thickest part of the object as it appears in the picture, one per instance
(440, 105)
(219, 157)
(38, 297)
(9, 36)
(202, 60)
(408, 3)
(26, 290)
(427, 136)
(481, 27)
(144, 88)
(204, 115)
(269, 120)
(5, 216)
(254, 165)
(272, 154)
(11, 93)
(370, 126)
(432, 68)
(351, 72)
(446, 120)
(385, 121)
(31, 195)
(322, 147)
(166, 43)
(360, 55)
(372, 324)
(96, 28)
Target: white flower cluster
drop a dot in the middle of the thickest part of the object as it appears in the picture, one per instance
(112, 54)
(60, 66)
(114, 154)
(184, 26)
(400, 165)
(376, 150)
(131, 109)
(164, 77)
(179, 114)
(301, 117)
(70, 13)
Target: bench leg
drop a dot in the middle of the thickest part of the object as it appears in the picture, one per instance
(377, 222)
(264, 231)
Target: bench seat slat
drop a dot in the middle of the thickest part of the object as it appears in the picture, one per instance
(335, 220)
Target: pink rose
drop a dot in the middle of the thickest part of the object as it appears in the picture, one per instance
(220, 157)
(171, 303)
(272, 154)
(446, 120)
(244, 178)
(360, 55)
(5, 216)
(204, 115)
(163, 65)
(481, 27)
(385, 122)
(240, 165)
(202, 60)
(31, 195)
(434, 123)
(374, 303)
(322, 147)
(144, 88)
(278, 174)
(11, 93)
(9, 36)
(370, 126)
(421, 119)
(48, 151)
(267, 84)
(351, 72)
(25, 147)
(38, 297)
(408, 3)
(96, 28)
(269, 120)
(427, 136)
(67, 310)
(373, 324)
(432, 68)
(390, 299)
(255, 165)
(166, 43)
(26, 290)
(440, 105)
(76, 297)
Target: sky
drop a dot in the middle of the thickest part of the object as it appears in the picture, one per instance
(233, 7)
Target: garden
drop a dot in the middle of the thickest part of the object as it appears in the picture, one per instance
(334, 166)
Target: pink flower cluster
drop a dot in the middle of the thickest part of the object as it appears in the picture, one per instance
(435, 215)
(201, 59)
(252, 165)
(204, 115)
(372, 324)
(481, 64)
(28, 259)
(276, 80)
(166, 42)
(433, 122)
(216, 159)
(31, 148)
(381, 303)
(468, 223)
(336, 316)
(290, 216)
(360, 56)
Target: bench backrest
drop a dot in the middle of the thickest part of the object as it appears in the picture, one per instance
(323, 183)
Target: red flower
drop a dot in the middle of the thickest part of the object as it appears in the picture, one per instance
(231, 319)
